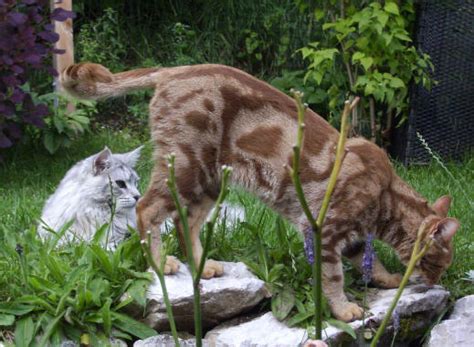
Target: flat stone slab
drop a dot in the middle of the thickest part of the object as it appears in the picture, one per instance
(222, 298)
(265, 331)
(458, 330)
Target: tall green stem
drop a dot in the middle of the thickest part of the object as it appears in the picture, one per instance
(416, 255)
(159, 272)
(197, 269)
(316, 225)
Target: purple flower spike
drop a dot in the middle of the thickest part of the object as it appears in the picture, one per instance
(368, 258)
(309, 245)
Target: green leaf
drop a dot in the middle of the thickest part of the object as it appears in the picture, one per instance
(51, 142)
(24, 332)
(6, 319)
(107, 320)
(357, 56)
(318, 14)
(50, 329)
(15, 308)
(396, 82)
(137, 291)
(59, 124)
(282, 303)
(298, 318)
(403, 37)
(367, 62)
(131, 326)
(342, 326)
(391, 7)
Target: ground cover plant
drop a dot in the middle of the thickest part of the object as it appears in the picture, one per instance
(265, 242)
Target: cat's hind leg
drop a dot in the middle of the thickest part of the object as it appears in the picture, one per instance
(197, 214)
(379, 276)
(152, 209)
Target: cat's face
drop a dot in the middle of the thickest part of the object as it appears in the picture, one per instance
(439, 256)
(115, 179)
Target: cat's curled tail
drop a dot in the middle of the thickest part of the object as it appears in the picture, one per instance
(95, 81)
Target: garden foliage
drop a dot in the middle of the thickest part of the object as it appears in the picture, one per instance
(26, 45)
(75, 292)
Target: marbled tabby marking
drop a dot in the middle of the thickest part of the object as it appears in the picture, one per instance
(213, 115)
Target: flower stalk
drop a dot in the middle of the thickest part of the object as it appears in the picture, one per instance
(317, 224)
(159, 270)
(197, 269)
(416, 255)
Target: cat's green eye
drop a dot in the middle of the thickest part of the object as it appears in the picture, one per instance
(121, 183)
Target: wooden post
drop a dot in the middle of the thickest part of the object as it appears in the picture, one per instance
(64, 29)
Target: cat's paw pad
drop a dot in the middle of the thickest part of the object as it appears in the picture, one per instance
(389, 281)
(211, 269)
(171, 265)
(348, 312)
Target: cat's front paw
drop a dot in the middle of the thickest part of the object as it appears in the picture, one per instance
(347, 311)
(171, 265)
(211, 269)
(389, 281)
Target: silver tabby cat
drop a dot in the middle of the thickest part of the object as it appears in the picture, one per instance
(95, 189)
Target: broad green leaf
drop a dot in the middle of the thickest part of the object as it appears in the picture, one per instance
(137, 291)
(24, 332)
(367, 62)
(403, 37)
(282, 303)
(6, 319)
(342, 326)
(396, 82)
(382, 18)
(298, 318)
(15, 308)
(131, 326)
(51, 142)
(391, 7)
(357, 56)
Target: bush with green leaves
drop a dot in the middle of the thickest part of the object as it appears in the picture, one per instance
(76, 292)
(62, 126)
(367, 49)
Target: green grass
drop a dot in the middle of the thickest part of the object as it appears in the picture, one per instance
(267, 243)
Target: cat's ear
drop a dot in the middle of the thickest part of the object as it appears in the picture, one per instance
(130, 158)
(441, 206)
(102, 161)
(444, 231)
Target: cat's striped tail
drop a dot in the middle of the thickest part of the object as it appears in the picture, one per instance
(94, 81)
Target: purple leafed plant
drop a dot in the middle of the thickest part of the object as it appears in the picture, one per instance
(27, 38)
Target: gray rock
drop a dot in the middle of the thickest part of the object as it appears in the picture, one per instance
(458, 330)
(113, 343)
(418, 301)
(222, 298)
(167, 341)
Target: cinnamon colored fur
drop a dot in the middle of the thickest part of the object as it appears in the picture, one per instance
(213, 115)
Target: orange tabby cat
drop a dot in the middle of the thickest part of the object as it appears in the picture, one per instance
(213, 115)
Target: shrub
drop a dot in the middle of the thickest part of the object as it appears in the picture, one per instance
(26, 45)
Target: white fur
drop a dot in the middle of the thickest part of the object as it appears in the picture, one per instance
(89, 193)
